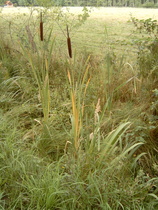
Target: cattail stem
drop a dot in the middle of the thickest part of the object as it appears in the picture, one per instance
(69, 44)
(41, 27)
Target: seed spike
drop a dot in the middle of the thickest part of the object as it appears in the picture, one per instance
(41, 27)
(69, 43)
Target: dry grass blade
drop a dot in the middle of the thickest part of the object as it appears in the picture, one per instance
(45, 94)
(77, 121)
(78, 92)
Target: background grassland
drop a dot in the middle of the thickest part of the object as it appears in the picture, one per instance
(77, 133)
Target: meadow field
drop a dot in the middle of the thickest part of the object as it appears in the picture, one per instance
(106, 27)
(78, 108)
(108, 13)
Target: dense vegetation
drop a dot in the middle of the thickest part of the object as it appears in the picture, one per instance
(127, 3)
(81, 132)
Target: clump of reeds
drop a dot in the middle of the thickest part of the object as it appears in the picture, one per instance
(39, 65)
(78, 90)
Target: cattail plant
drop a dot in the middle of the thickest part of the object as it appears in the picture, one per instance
(78, 89)
(69, 43)
(41, 27)
(39, 68)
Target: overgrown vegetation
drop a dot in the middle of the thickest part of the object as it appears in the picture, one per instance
(75, 133)
(148, 43)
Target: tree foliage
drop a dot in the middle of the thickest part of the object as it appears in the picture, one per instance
(134, 3)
